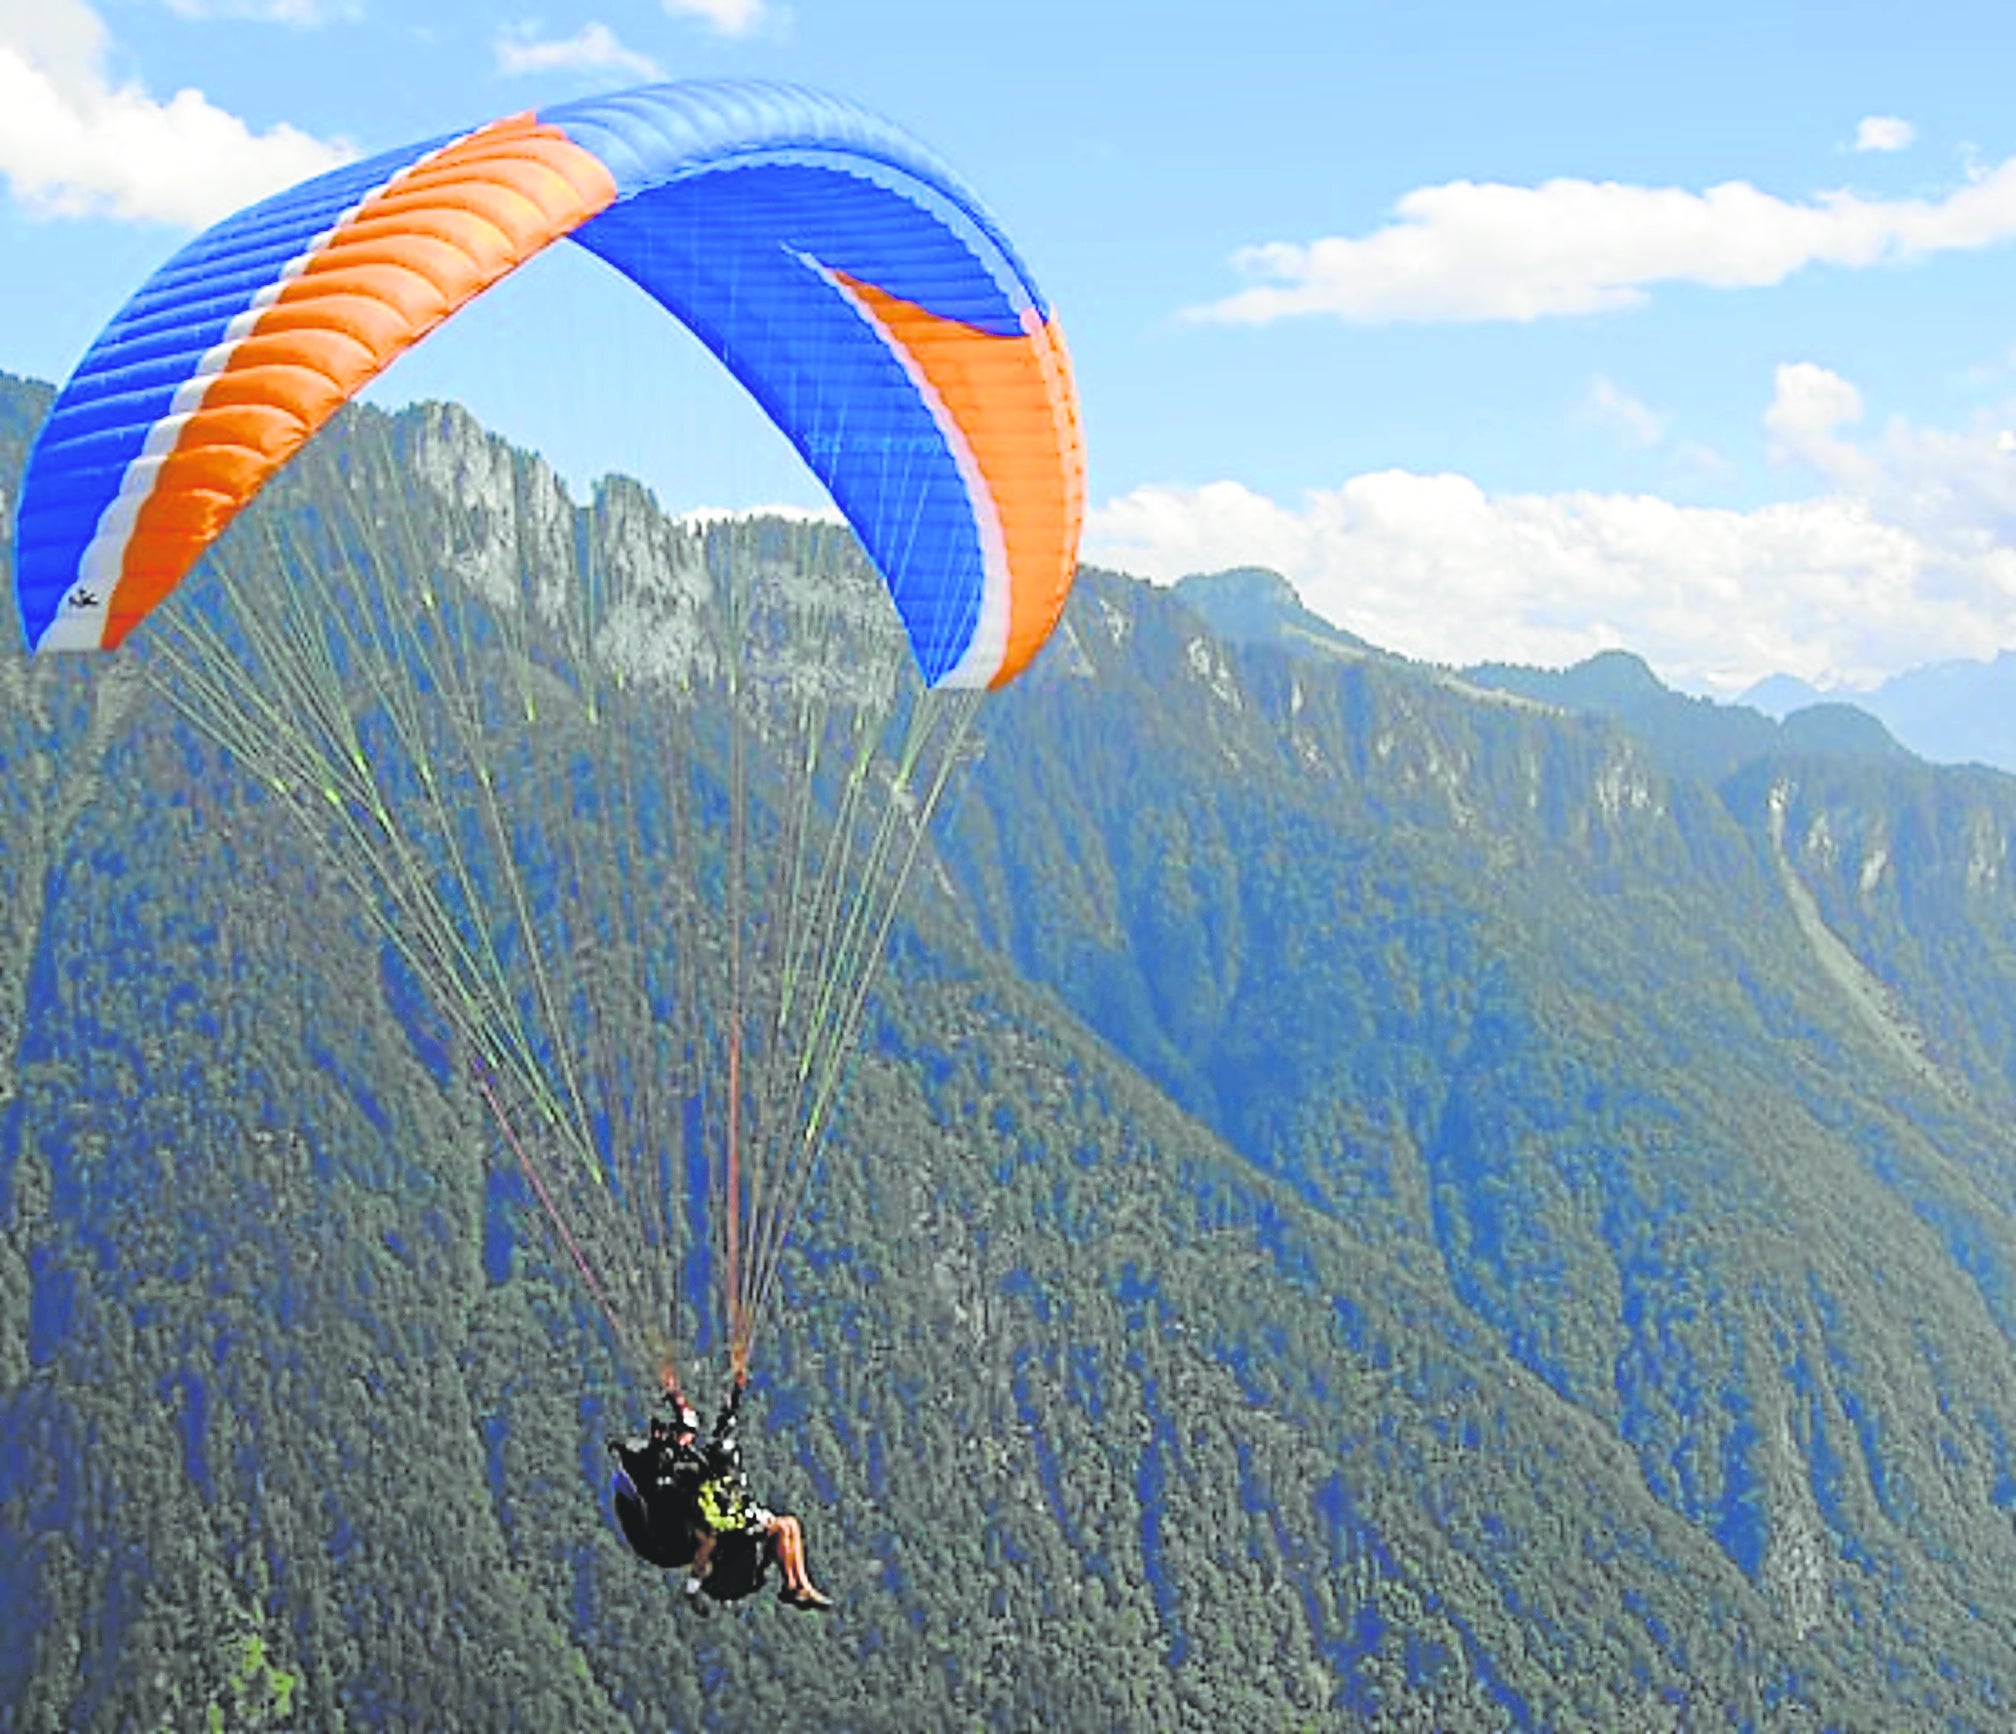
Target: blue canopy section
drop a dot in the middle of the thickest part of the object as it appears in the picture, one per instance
(734, 201)
(663, 132)
(729, 253)
(128, 378)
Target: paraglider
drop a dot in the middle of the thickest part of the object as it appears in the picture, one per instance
(638, 829)
(681, 1503)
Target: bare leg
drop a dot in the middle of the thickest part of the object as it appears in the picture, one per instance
(787, 1534)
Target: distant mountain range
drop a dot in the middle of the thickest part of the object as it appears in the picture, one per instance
(1952, 713)
(1948, 713)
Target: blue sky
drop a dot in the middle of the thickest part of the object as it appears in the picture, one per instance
(1505, 331)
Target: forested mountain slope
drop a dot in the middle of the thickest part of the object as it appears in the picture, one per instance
(1364, 1198)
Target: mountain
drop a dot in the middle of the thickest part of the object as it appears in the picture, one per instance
(1370, 1198)
(1953, 712)
(1779, 695)
(1838, 731)
(1255, 605)
(1948, 712)
(1694, 736)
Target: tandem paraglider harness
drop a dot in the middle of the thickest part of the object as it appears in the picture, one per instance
(670, 1490)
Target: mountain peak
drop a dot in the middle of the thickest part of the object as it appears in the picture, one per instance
(1839, 731)
(1779, 695)
(1257, 583)
(1954, 712)
(1616, 676)
(1257, 605)
(1611, 681)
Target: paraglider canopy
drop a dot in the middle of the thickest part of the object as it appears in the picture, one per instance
(645, 940)
(842, 273)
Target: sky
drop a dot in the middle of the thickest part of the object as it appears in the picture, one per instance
(1505, 332)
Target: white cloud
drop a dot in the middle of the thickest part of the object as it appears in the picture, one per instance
(1609, 405)
(63, 36)
(1470, 251)
(1808, 400)
(1808, 403)
(1884, 132)
(72, 143)
(730, 17)
(1954, 490)
(1899, 560)
(592, 48)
